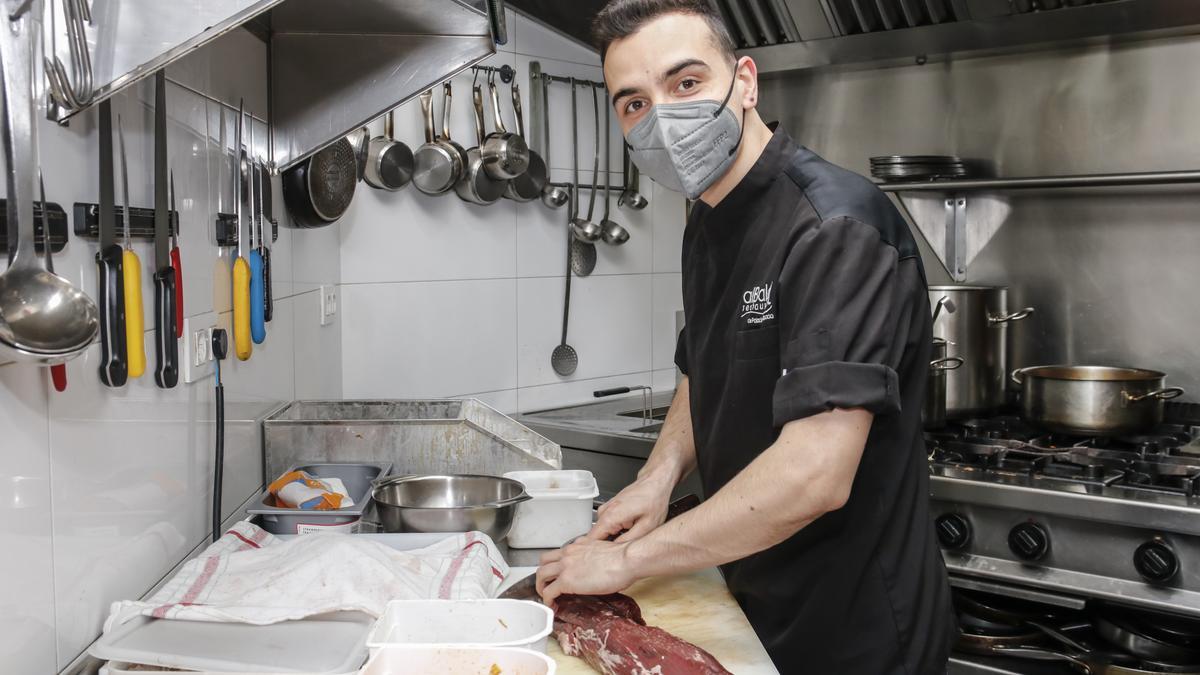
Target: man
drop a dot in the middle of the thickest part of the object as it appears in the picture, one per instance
(806, 352)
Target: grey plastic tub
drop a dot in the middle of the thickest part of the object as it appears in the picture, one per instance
(357, 477)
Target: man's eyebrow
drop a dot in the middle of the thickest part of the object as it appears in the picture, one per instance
(686, 63)
(622, 93)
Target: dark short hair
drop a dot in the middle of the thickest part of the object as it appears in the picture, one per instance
(622, 18)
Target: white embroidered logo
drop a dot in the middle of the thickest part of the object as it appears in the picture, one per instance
(757, 305)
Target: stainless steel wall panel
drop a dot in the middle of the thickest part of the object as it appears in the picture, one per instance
(1112, 271)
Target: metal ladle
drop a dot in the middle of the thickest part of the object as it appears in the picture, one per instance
(611, 231)
(583, 229)
(43, 317)
(630, 197)
(554, 196)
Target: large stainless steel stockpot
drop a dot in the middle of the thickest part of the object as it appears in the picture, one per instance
(1092, 400)
(974, 320)
(933, 412)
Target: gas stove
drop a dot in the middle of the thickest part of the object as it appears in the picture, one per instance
(1019, 511)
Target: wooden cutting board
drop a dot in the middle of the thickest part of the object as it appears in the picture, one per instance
(698, 608)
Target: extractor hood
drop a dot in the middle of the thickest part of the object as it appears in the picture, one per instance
(788, 35)
(335, 64)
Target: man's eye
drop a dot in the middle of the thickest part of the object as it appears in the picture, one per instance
(634, 106)
(688, 84)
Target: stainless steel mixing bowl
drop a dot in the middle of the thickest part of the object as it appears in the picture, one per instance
(453, 503)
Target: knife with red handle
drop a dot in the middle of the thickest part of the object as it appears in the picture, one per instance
(176, 264)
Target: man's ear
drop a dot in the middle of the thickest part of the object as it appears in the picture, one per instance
(747, 73)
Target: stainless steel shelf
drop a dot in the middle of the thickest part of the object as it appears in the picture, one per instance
(1047, 182)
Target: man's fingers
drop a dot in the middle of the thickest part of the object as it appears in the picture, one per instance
(550, 556)
(639, 530)
(546, 574)
(605, 528)
(550, 593)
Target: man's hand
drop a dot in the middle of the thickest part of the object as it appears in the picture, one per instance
(584, 567)
(634, 512)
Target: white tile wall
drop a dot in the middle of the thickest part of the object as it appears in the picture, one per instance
(102, 491)
(447, 298)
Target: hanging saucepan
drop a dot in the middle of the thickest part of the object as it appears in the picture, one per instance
(475, 185)
(318, 190)
(438, 163)
(505, 154)
(529, 185)
(933, 413)
(1092, 400)
(389, 162)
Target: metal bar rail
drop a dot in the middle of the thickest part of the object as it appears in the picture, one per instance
(1044, 182)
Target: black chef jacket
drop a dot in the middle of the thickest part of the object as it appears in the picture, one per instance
(804, 291)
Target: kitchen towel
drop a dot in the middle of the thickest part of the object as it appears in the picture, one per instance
(251, 576)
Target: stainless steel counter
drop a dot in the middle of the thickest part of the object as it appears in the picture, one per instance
(613, 425)
(610, 438)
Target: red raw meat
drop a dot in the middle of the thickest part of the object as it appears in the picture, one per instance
(608, 632)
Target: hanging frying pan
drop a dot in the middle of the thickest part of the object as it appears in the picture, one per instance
(318, 190)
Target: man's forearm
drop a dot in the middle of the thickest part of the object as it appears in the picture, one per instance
(804, 475)
(674, 454)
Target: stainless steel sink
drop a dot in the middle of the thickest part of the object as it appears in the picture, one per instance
(648, 429)
(659, 413)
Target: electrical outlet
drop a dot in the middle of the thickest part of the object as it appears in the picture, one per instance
(329, 304)
(196, 350)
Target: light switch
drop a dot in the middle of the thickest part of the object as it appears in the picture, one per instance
(329, 304)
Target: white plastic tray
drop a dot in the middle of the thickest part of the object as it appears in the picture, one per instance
(486, 623)
(458, 660)
(328, 643)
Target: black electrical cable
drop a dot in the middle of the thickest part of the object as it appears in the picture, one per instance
(220, 346)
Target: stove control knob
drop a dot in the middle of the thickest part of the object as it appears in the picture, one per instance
(953, 531)
(1156, 562)
(1029, 541)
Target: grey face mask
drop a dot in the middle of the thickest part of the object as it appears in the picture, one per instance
(686, 146)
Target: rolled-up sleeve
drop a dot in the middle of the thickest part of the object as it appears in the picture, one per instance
(681, 360)
(841, 309)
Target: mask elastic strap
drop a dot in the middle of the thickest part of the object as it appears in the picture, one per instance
(721, 109)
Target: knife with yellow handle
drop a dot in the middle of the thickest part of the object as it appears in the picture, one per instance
(131, 267)
(242, 343)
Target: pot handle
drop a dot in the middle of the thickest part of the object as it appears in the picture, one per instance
(1009, 318)
(948, 363)
(1018, 375)
(1160, 394)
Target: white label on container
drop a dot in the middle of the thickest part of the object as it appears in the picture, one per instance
(351, 527)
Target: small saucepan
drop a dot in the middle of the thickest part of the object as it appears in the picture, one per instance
(505, 154)
(389, 162)
(438, 163)
(1092, 400)
(476, 185)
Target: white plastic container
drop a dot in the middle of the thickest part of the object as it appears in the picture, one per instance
(561, 508)
(458, 660)
(483, 623)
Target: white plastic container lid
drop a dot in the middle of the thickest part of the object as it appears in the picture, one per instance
(565, 484)
(490, 623)
(458, 660)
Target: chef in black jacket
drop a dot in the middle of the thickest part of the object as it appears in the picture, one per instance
(806, 352)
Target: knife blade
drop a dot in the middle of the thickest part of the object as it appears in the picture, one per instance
(526, 589)
(110, 284)
(166, 372)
